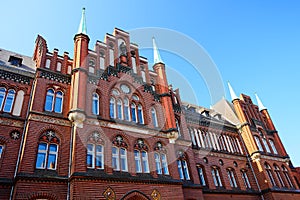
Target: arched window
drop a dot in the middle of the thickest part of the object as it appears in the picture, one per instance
(269, 173)
(273, 146)
(58, 102)
(95, 152)
(178, 127)
(258, 144)
(287, 177)
(277, 172)
(231, 177)
(120, 109)
(102, 60)
(49, 100)
(201, 174)
(154, 117)
(266, 145)
(143, 76)
(126, 109)
(1, 150)
(47, 151)
(58, 66)
(95, 104)
(141, 157)
(2, 96)
(245, 179)
(9, 100)
(112, 108)
(48, 62)
(119, 155)
(216, 176)
(54, 101)
(92, 66)
(69, 69)
(140, 114)
(182, 166)
(133, 112)
(160, 159)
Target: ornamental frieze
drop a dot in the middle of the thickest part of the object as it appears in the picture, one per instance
(11, 122)
(14, 77)
(55, 76)
(48, 119)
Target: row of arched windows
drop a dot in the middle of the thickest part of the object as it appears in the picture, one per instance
(123, 109)
(211, 140)
(11, 101)
(280, 182)
(58, 66)
(264, 146)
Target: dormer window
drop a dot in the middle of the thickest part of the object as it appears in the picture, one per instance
(15, 61)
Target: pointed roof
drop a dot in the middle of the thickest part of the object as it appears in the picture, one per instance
(156, 56)
(82, 25)
(232, 93)
(259, 103)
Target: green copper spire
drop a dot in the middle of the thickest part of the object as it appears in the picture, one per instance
(157, 58)
(82, 25)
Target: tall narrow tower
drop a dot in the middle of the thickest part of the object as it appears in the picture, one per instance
(79, 74)
(163, 89)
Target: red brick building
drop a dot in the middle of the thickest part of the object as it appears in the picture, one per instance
(102, 125)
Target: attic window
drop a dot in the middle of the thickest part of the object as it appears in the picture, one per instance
(205, 113)
(15, 61)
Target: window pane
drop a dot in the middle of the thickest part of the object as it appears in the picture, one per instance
(180, 169)
(273, 146)
(201, 176)
(99, 163)
(58, 104)
(123, 159)
(140, 114)
(164, 164)
(95, 106)
(49, 100)
(145, 162)
(137, 161)
(42, 146)
(115, 158)
(51, 161)
(41, 160)
(186, 170)
(53, 148)
(2, 96)
(266, 145)
(258, 143)
(89, 160)
(119, 109)
(1, 150)
(112, 108)
(9, 101)
(133, 112)
(157, 163)
(154, 117)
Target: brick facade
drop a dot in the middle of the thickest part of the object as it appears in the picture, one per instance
(86, 122)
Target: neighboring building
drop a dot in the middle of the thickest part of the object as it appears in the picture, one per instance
(104, 126)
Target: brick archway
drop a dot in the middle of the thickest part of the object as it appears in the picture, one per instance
(135, 195)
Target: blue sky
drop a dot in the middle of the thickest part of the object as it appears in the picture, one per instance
(254, 44)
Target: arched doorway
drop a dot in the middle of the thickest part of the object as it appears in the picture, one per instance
(135, 195)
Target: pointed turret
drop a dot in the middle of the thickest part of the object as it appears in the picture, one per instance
(232, 93)
(82, 25)
(259, 103)
(156, 55)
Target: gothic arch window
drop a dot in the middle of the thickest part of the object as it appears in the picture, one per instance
(178, 127)
(141, 157)
(119, 154)
(95, 104)
(102, 60)
(54, 101)
(287, 177)
(258, 143)
(92, 65)
(47, 151)
(232, 178)
(48, 63)
(95, 152)
(112, 107)
(201, 174)
(119, 109)
(1, 150)
(7, 98)
(140, 114)
(111, 54)
(245, 179)
(182, 166)
(273, 146)
(58, 66)
(154, 117)
(270, 175)
(160, 158)
(215, 172)
(133, 112)
(278, 174)
(126, 109)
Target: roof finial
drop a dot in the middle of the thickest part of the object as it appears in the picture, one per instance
(232, 93)
(157, 58)
(82, 25)
(259, 103)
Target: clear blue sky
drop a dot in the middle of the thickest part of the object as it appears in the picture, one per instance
(254, 44)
